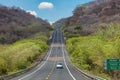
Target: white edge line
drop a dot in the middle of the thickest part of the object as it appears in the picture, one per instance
(36, 69)
(40, 66)
(67, 66)
(65, 62)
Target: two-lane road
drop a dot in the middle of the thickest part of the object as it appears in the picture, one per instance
(47, 69)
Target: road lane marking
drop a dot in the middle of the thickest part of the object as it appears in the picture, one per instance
(42, 64)
(51, 72)
(67, 66)
(65, 60)
(38, 68)
(82, 75)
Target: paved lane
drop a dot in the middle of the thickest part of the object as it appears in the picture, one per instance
(47, 69)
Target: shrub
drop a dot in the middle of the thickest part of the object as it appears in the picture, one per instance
(90, 52)
(20, 55)
(78, 27)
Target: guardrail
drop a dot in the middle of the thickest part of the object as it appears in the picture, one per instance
(10, 76)
(89, 75)
(86, 74)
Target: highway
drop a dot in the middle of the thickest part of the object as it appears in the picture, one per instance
(46, 70)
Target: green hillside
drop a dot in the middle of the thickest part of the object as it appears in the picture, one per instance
(21, 54)
(89, 52)
(23, 39)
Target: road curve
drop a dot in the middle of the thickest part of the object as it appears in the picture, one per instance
(46, 70)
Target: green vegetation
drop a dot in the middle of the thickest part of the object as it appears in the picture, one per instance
(51, 28)
(20, 55)
(79, 27)
(89, 52)
(23, 39)
(68, 35)
(63, 27)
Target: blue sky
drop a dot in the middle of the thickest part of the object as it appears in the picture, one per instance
(51, 10)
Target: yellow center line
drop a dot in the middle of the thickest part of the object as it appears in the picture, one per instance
(52, 70)
(50, 73)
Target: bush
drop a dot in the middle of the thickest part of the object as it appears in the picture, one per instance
(90, 52)
(20, 55)
(78, 27)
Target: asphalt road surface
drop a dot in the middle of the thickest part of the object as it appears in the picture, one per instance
(46, 70)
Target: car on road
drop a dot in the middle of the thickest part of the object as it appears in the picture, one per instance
(59, 65)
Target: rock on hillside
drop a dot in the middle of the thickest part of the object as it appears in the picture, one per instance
(16, 24)
(87, 17)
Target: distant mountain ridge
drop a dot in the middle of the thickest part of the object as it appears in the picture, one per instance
(16, 24)
(87, 17)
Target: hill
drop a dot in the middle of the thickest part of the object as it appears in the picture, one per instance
(16, 24)
(60, 22)
(23, 39)
(87, 17)
(96, 30)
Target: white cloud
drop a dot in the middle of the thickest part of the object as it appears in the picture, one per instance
(32, 12)
(45, 5)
